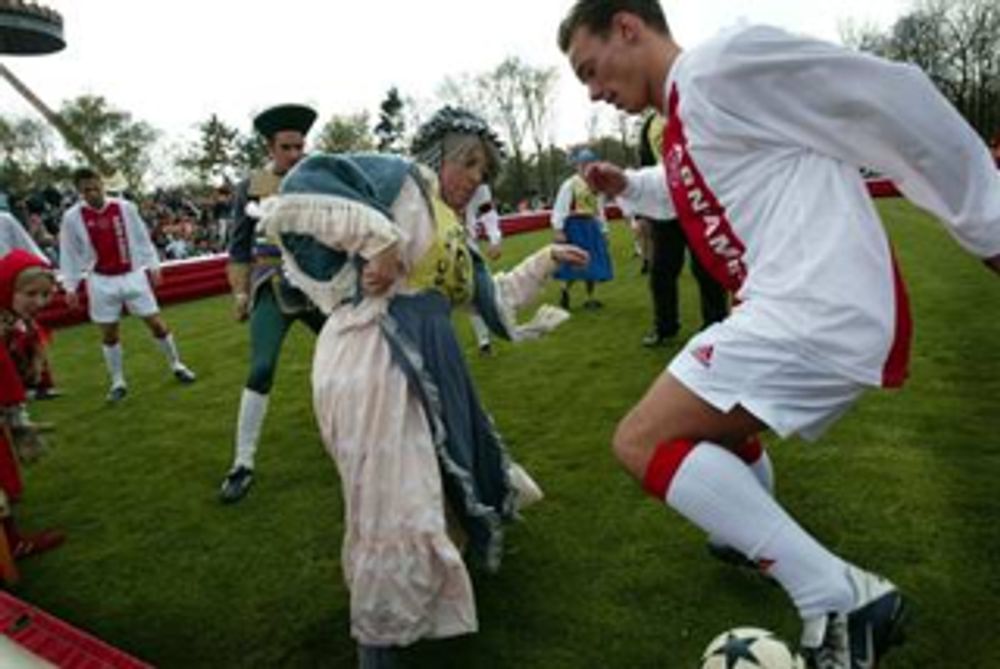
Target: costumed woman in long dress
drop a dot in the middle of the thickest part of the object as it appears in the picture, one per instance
(378, 243)
(26, 282)
(578, 218)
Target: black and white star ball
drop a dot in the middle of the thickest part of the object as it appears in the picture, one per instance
(749, 648)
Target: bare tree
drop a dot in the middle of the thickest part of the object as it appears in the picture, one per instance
(957, 43)
(518, 99)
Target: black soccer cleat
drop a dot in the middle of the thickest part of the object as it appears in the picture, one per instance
(857, 639)
(236, 485)
(117, 394)
(184, 375)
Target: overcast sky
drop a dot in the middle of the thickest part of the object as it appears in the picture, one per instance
(174, 63)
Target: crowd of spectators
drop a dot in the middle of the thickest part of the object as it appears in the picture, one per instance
(180, 225)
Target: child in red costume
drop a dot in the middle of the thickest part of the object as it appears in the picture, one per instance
(26, 282)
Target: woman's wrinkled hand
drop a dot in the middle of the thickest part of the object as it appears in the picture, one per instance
(569, 254)
(381, 271)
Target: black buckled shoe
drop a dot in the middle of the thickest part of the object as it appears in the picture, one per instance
(236, 485)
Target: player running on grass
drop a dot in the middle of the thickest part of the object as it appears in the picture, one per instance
(764, 138)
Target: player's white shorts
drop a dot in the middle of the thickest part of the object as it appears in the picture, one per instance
(789, 392)
(107, 294)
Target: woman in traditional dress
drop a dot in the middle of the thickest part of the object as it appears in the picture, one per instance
(378, 243)
(578, 218)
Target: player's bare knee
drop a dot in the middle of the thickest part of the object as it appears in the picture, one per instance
(628, 448)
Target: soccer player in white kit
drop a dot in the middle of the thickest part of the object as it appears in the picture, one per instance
(105, 239)
(765, 135)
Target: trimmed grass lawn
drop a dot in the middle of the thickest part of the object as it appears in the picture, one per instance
(597, 575)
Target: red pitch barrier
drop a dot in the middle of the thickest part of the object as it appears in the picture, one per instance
(206, 276)
(43, 636)
(182, 280)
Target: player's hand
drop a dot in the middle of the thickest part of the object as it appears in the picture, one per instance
(605, 177)
(155, 277)
(241, 307)
(993, 263)
(72, 299)
(493, 251)
(380, 271)
(569, 254)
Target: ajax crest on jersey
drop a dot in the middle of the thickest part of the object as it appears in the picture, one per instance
(749, 648)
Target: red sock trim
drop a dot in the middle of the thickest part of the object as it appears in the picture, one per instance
(750, 451)
(662, 467)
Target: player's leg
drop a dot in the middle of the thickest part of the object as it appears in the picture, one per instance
(168, 345)
(268, 328)
(111, 347)
(104, 305)
(680, 441)
(141, 301)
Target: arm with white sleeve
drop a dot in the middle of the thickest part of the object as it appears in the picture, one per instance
(144, 254)
(74, 250)
(600, 215)
(869, 112)
(561, 207)
(646, 194)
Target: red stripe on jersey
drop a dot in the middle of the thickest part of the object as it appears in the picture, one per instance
(106, 229)
(896, 367)
(702, 216)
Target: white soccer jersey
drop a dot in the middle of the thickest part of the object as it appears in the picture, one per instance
(765, 136)
(77, 255)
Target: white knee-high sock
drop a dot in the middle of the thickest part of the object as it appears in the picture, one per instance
(113, 361)
(763, 470)
(253, 408)
(169, 348)
(716, 491)
(754, 455)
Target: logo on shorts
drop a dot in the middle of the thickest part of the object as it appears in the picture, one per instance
(703, 354)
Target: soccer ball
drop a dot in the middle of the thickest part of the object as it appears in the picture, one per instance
(749, 648)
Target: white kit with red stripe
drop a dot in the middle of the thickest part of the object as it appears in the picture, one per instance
(112, 240)
(765, 136)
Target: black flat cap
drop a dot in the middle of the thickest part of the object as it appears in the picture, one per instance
(284, 117)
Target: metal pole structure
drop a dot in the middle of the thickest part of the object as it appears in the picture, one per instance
(69, 134)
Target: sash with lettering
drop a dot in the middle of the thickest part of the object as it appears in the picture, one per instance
(702, 216)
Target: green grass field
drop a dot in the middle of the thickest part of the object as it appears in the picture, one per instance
(596, 576)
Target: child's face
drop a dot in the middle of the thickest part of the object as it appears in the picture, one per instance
(32, 295)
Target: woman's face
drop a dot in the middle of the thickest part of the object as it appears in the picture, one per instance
(461, 176)
(32, 295)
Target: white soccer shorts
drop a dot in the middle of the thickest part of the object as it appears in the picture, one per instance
(107, 294)
(789, 392)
